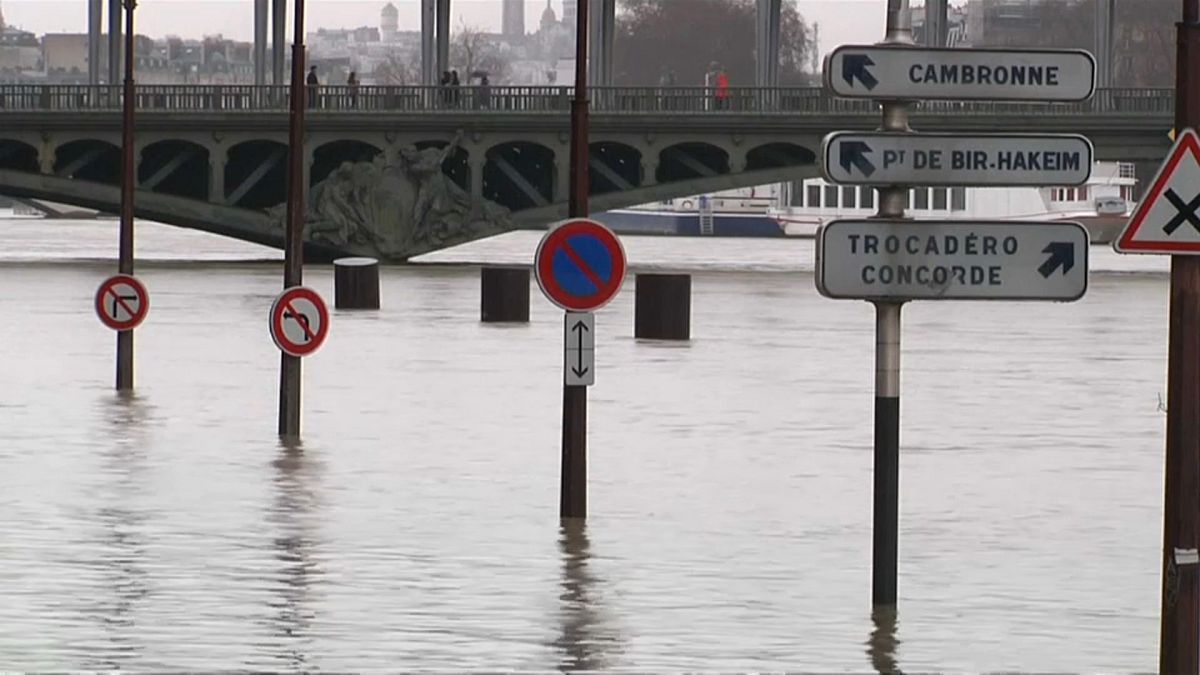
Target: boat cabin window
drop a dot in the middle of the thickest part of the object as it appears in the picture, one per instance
(848, 198)
(958, 199)
(866, 198)
(831, 195)
(814, 196)
(922, 198)
(939, 199)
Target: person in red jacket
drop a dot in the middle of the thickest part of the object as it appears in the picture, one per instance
(722, 93)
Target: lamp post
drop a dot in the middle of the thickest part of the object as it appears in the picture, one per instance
(125, 254)
(293, 237)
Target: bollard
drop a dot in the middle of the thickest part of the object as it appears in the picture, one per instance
(663, 307)
(504, 294)
(356, 283)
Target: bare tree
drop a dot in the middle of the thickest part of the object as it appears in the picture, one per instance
(397, 70)
(472, 51)
(685, 36)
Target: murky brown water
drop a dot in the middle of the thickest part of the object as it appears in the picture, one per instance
(730, 477)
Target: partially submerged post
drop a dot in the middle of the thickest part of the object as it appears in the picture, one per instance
(663, 307)
(504, 295)
(356, 283)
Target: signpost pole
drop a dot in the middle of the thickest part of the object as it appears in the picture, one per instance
(887, 365)
(573, 486)
(125, 246)
(1180, 629)
(293, 238)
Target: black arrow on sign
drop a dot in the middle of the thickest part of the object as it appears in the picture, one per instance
(853, 153)
(854, 66)
(1062, 254)
(579, 328)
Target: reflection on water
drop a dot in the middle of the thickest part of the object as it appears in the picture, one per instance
(120, 562)
(292, 515)
(881, 647)
(588, 641)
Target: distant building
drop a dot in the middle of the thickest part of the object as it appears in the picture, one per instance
(389, 23)
(65, 52)
(548, 17)
(513, 24)
(570, 12)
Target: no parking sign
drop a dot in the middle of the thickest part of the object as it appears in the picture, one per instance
(580, 265)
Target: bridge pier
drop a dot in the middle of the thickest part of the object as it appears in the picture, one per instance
(216, 179)
(1104, 43)
(279, 43)
(114, 42)
(476, 161)
(443, 39)
(766, 50)
(937, 22)
(260, 41)
(429, 74)
(95, 35)
(602, 25)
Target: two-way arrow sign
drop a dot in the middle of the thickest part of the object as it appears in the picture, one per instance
(579, 357)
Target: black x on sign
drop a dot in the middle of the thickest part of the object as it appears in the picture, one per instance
(1187, 212)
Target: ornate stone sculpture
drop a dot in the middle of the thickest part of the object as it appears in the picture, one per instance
(397, 210)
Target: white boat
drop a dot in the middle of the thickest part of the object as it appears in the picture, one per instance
(799, 208)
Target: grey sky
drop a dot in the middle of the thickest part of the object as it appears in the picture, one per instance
(841, 20)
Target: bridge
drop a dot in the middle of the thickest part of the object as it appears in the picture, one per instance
(399, 171)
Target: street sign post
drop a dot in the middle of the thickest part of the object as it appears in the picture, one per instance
(299, 321)
(580, 265)
(579, 355)
(1167, 219)
(122, 302)
(900, 260)
(908, 73)
(883, 158)
(890, 260)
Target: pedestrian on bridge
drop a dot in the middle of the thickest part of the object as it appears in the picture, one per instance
(352, 85)
(313, 86)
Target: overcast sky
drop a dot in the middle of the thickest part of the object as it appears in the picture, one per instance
(841, 20)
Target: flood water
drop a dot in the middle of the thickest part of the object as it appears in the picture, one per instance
(416, 526)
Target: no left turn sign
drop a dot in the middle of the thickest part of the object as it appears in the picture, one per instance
(122, 302)
(299, 321)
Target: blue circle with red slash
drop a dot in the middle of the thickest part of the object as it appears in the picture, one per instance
(580, 265)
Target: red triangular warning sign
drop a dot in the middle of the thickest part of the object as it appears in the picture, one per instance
(1168, 218)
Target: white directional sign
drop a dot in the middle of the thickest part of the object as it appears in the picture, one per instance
(900, 72)
(579, 358)
(883, 158)
(1167, 219)
(935, 260)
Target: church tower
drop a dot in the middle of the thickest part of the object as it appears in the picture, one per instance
(513, 23)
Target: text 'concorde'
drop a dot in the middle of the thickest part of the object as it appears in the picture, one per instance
(940, 260)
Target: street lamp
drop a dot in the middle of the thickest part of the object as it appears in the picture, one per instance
(125, 256)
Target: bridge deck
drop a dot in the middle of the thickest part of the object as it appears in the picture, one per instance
(501, 101)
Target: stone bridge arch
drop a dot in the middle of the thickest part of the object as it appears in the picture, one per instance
(256, 174)
(88, 159)
(18, 156)
(175, 167)
(326, 158)
(520, 175)
(778, 155)
(456, 167)
(691, 159)
(613, 166)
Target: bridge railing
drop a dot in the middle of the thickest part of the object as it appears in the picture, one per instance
(540, 99)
